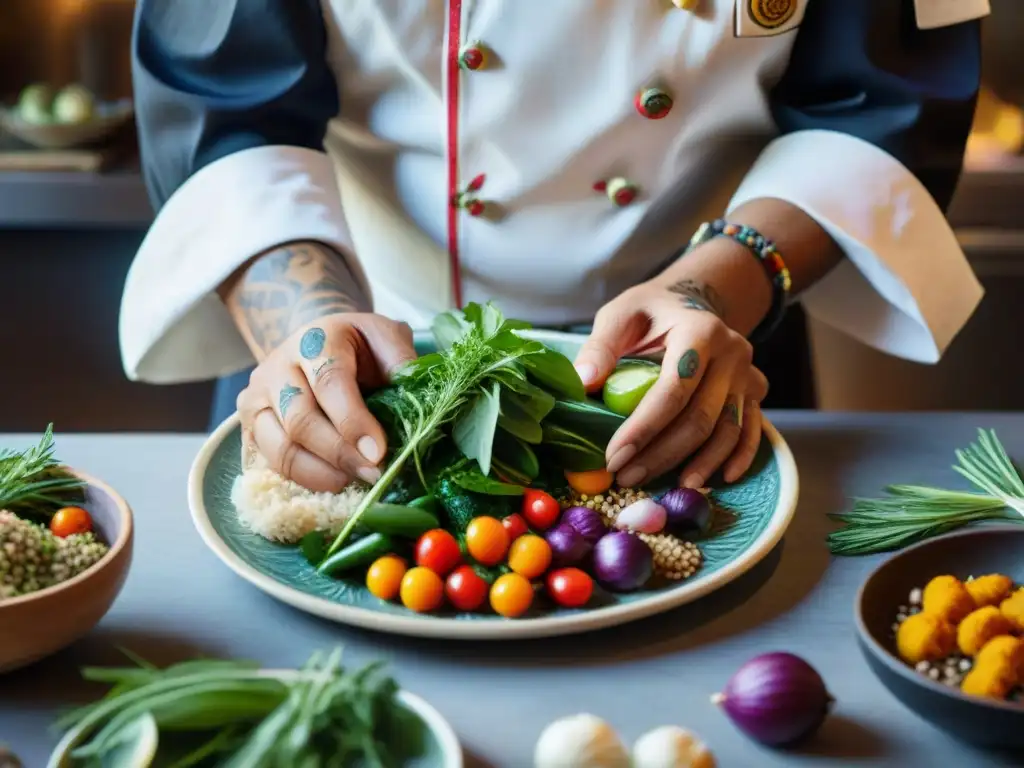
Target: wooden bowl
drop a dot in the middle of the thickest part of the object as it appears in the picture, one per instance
(110, 116)
(974, 552)
(41, 623)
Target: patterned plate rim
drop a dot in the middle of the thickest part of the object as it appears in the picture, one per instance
(545, 626)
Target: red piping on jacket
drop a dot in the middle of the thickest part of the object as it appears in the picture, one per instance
(454, 76)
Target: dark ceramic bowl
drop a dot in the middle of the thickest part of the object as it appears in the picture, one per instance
(990, 549)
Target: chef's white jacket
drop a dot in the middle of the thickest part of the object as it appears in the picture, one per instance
(473, 150)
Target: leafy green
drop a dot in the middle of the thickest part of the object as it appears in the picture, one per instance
(912, 513)
(320, 715)
(513, 459)
(474, 481)
(33, 484)
(474, 431)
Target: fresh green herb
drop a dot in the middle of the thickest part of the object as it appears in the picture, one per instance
(319, 715)
(913, 513)
(456, 395)
(33, 484)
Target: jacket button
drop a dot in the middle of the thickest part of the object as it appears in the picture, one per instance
(619, 190)
(653, 103)
(473, 57)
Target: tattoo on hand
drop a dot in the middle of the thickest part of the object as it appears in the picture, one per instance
(320, 368)
(732, 413)
(288, 393)
(312, 343)
(292, 286)
(688, 364)
(699, 296)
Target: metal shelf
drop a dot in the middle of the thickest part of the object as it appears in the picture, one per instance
(74, 200)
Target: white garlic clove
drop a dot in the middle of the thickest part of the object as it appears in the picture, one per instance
(670, 746)
(580, 741)
(643, 516)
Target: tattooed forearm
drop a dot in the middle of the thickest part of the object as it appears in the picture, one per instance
(700, 296)
(286, 288)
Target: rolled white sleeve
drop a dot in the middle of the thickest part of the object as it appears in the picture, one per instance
(173, 326)
(905, 286)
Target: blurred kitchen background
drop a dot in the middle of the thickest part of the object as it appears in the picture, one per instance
(70, 222)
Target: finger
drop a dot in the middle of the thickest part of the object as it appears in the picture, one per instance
(291, 460)
(719, 447)
(687, 355)
(757, 385)
(615, 331)
(389, 345)
(746, 449)
(306, 424)
(332, 378)
(688, 431)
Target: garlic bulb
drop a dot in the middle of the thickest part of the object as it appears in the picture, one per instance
(580, 741)
(671, 747)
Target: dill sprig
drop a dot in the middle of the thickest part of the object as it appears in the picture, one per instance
(33, 484)
(912, 513)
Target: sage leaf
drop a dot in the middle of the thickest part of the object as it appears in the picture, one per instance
(474, 431)
(474, 481)
(514, 459)
(515, 419)
(447, 329)
(556, 372)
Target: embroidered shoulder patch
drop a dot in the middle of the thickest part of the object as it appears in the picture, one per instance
(764, 18)
(932, 14)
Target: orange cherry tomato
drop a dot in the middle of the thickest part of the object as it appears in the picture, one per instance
(70, 520)
(466, 589)
(439, 551)
(422, 590)
(511, 595)
(384, 577)
(570, 587)
(590, 483)
(529, 556)
(540, 509)
(515, 526)
(486, 540)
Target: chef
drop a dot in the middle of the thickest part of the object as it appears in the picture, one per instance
(330, 174)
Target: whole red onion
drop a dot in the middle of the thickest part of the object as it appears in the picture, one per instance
(688, 511)
(776, 698)
(567, 544)
(588, 522)
(622, 561)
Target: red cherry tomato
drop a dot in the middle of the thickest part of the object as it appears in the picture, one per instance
(70, 520)
(465, 588)
(515, 526)
(540, 509)
(439, 551)
(570, 587)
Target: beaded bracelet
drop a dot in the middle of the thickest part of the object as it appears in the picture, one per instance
(764, 251)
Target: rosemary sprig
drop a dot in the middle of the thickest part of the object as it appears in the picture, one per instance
(912, 513)
(33, 484)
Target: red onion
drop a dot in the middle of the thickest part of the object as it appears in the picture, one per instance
(622, 561)
(777, 699)
(567, 544)
(688, 511)
(588, 522)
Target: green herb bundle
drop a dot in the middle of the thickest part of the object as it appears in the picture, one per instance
(482, 408)
(33, 484)
(319, 716)
(912, 513)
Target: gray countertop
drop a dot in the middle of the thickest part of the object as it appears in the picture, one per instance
(181, 601)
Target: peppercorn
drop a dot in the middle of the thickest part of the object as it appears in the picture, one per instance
(947, 598)
(925, 637)
(991, 589)
(1013, 609)
(980, 626)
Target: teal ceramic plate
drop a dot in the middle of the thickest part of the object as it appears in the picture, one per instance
(756, 512)
(440, 745)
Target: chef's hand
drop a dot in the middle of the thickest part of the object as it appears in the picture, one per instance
(705, 405)
(304, 408)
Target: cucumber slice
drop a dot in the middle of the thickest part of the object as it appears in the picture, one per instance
(628, 384)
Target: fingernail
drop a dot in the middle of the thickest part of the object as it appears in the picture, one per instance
(632, 476)
(368, 474)
(587, 372)
(367, 446)
(621, 457)
(693, 480)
